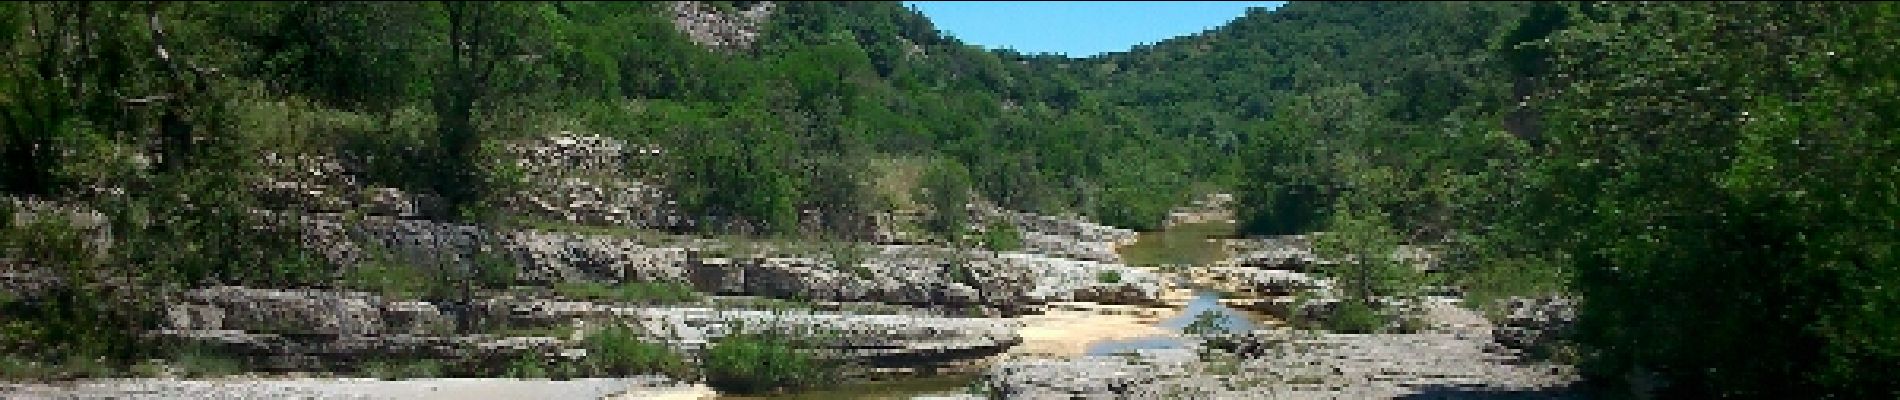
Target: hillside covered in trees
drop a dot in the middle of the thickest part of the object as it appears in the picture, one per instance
(1712, 183)
(1714, 180)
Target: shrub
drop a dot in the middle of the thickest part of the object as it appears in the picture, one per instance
(527, 366)
(1207, 322)
(1354, 317)
(961, 274)
(409, 369)
(758, 364)
(616, 351)
(495, 272)
(1109, 277)
(945, 189)
(1491, 280)
(395, 280)
(850, 257)
(197, 361)
(1002, 237)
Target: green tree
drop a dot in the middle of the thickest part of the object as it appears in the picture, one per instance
(1724, 237)
(739, 173)
(490, 48)
(1368, 276)
(945, 188)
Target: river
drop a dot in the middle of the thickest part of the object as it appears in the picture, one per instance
(1085, 329)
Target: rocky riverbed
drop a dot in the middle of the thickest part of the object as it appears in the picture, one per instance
(1457, 357)
(646, 387)
(1067, 316)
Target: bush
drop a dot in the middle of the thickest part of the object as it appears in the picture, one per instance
(198, 361)
(616, 351)
(1354, 317)
(748, 364)
(395, 280)
(1206, 323)
(1109, 277)
(1368, 274)
(1497, 279)
(410, 369)
(960, 273)
(527, 366)
(850, 257)
(1002, 237)
(495, 272)
(945, 189)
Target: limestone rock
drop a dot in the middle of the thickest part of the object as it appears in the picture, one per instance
(286, 311)
(707, 26)
(1531, 322)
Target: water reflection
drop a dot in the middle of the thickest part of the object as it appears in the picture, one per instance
(1205, 302)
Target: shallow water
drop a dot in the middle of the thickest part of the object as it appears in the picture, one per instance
(1231, 320)
(1183, 244)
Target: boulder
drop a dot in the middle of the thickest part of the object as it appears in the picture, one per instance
(415, 317)
(283, 311)
(1532, 322)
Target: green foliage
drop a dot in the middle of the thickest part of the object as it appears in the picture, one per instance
(749, 364)
(1000, 236)
(616, 351)
(1355, 317)
(493, 271)
(396, 280)
(1109, 277)
(634, 292)
(959, 272)
(384, 151)
(68, 330)
(1364, 244)
(1501, 278)
(850, 256)
(1206, 323)
(945, 188)
(1723, 236)
(401, 369)
(739, 175)
(1713, 180)
(526, 366)
(200, 361)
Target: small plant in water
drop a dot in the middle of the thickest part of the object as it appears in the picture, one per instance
(1206, 323)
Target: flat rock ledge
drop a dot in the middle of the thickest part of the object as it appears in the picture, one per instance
(296, 329)
(901, 274)
(359, 389)
(1455, 358)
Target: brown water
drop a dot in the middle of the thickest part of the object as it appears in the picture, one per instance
(1187, 244)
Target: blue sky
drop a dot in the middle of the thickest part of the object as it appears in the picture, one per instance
(1078, 28)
